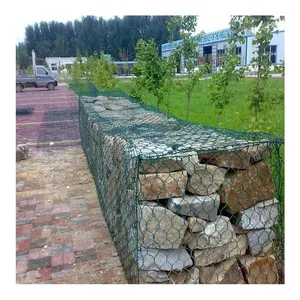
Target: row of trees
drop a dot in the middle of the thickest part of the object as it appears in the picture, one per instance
(117, 36)
(155, 75)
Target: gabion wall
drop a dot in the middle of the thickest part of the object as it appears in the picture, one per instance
(185, 203)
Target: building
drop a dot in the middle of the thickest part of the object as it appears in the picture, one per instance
(212, 45)
(56, 63)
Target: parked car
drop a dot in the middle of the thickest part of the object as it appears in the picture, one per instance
(42, 78)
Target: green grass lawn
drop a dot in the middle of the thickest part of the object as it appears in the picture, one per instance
(237, 116)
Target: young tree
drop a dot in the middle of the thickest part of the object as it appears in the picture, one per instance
(151, 70)
(22, 56)
(219, 89)
(78, 68)
(188, 50)
(101, 72)
(263, 28)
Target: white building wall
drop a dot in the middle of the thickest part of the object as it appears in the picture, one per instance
(278, 40)
(60, 62)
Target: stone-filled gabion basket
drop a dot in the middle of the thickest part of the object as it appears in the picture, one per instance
(185, 203)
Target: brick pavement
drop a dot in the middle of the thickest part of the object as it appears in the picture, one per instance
(61, 235)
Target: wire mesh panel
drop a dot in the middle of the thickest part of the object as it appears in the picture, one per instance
(185, 203)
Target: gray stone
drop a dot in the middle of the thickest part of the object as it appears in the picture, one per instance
(258, 239)
(196, 224)
(193, 276)
(153, 276)
(162, 185)
(206, 179)
(215, 234)
(203, 207)
(209, 256)
(101, 98)
(259, 152)
(267, 250)
(21, 152)
(160, 228)
(164, 260)
(190, 161)
(226, 272)
(262, 215)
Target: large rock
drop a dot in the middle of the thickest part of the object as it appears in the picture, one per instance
(259, 152)
(162, 185)
(196, 224)
(178, 277)
(209, 256)
(258, 239)
(153, 277)
(164, 260)
(193, 276)
(267, 250)
(203, 207)
(262, 215)
(160, 228)
(206, 179)
(160, 166)
(21, 152)
(244, 188)
(215, 234)
(226, 272)
(240, 158)
(260, 270)
(189, 162)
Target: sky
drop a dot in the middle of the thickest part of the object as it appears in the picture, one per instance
(209, 20)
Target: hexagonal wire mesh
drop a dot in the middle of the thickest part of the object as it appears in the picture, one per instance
(184, 203)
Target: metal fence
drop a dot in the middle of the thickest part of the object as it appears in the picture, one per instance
(184, 203)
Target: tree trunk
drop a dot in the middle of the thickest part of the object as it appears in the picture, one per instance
(188, 106)
(219, 118)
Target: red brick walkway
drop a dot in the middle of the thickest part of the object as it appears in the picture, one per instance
(61, 235)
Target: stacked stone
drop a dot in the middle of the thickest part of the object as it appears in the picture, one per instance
(203, 217)
(207, 218)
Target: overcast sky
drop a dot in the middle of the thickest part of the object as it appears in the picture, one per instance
(212, 19)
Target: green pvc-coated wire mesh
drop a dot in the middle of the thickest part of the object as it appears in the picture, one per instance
(184, 203)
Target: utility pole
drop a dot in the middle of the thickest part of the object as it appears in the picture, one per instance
(33, 61)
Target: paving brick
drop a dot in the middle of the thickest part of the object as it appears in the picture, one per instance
(22, 245)
(78, 220)
(23, 237)
(85, 255)
(49, 214)
(45, 219)
(57, 250)
(40, 243)
(34, 264)
(22, 266)
(63, 273)
(57, 260)
(23, 221)
(37, 253)
(21, 257)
